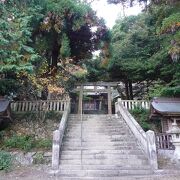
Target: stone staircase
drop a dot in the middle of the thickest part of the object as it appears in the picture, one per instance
(102, 147)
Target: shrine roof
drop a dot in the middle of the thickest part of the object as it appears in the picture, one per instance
(166, 105)
(3, 105)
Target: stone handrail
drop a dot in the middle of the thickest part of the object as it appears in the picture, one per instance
(145, 139)
(58, 136)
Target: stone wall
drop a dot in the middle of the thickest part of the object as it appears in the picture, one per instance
(38, 124)
(30, 158)
(166, 159)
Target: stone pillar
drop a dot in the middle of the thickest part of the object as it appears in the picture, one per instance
(80, 100)
(152, 149)
(56, 150)
(109, 100)
(175, 134)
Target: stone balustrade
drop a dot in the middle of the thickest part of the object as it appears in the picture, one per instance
(40, 105)
(57, 138)
(145, 139)
(132, 104)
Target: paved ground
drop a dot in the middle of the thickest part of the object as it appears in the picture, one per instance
(42, 173)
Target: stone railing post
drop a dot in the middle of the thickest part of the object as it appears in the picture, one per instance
(56, 150)
(151, 140)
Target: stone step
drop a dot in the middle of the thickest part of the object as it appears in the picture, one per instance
(112, 137)
(108, 149)
(95, 126)
(121, 162)
(103, 117)
(102, 167)
(109, 132)
(93, 115)
(92, 152)
(97, 144)
(100, 128)
(94, 118)
(98, 121)
(100, 148)
(91, 124)
(78, 125)
(99, 140)
(92, 136)
(102, 173)
(102, 156)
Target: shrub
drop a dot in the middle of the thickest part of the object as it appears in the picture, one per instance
(43, 143)
(26, 143)
(142, 116)
(38, 159)
(1, 135)
(20, 142)
(5, 160)
(53, 115)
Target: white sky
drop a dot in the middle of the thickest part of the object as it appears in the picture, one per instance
(110, 12)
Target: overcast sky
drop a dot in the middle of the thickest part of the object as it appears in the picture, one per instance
(110, 12)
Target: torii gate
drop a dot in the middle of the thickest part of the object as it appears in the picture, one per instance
(80, 88)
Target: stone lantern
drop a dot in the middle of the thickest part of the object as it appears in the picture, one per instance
(175, 139)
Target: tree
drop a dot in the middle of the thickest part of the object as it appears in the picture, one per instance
(16, 53)
(146, 48)
(42, 40)
(133, 43)
(66, 32)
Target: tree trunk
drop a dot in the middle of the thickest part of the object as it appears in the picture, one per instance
(127, 90)
(55, 54)
(130, 90)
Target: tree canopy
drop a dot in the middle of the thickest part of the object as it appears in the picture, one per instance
(146, 48)
(50, 44)
(40, 39)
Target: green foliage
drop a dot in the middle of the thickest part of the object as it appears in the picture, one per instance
(26, 143)
(65, 48)
(1, 135)
(8, 86)
(19, 142)
(171, 23)
(15, 34)
(17, 56)
(53, 115)
(142, 115)
(126, 2)
(132, 46)
(95, 70)
(162, 90)
(43, 144)
(5, 160)
(39, 158)
(34, 33)
(146, 48)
